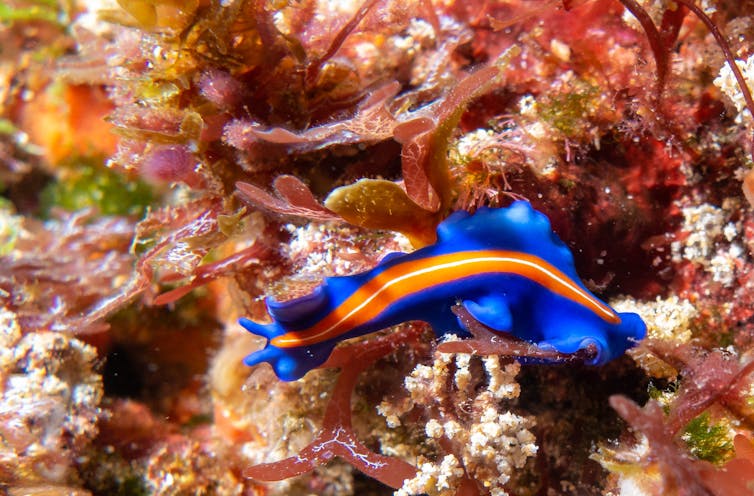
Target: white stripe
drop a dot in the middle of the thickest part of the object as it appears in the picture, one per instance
(566, 282)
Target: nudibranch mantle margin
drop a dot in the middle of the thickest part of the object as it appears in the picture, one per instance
(507, 268)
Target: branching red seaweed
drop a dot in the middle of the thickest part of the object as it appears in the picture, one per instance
(723, 43)
(709, 378)
(485, 341)
(294, 198)
(337, 437)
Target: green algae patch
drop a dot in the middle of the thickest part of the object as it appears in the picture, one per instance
(708, 441)
(86, 185)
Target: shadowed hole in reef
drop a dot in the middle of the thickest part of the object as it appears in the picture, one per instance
(366, 486)
(574, 416)
(159, 355)
(24, 194)
(121, 375)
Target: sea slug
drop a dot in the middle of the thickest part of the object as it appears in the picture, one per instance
(504, 265)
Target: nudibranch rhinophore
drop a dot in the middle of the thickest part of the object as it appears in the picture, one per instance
(506, 266)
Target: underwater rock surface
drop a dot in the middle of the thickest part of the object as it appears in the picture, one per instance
(165, 166)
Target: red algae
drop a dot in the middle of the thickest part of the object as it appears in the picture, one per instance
(66, 275)
(337, 437)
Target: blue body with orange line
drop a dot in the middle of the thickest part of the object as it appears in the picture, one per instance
(504, 265)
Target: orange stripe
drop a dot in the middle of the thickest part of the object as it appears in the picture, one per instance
(408, 278)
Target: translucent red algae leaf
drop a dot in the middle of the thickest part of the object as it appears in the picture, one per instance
(209, 272)
(424, 153)
(315, 66)
(487, 342)
(337, 437)
(406, 131)
(748, 187)
(295, 192)
(414, 160)
(294, 198)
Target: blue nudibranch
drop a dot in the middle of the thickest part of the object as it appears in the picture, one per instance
(504, 265)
